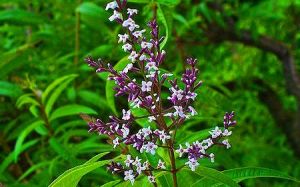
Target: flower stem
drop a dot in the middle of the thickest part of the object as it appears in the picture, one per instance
(173, 164)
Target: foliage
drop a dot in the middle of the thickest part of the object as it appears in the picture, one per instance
(44, 85)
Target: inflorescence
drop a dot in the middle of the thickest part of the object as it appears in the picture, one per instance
(144, 92)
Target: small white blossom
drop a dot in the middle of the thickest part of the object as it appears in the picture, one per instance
(129, 176)
(161, 165)
(126, 114)
(167, 75)
(112, 5)
(226, 143)
(176, 93)
(145, 45)
(128, 161)
(146, 86)
(137, 161)
(116, 142)
(130, 11)
(226, 132)
(163, 136)
(123, 38)
(150, 147)
(212, 157)
(127, 47)
(125, 131)
(192, 110)
(116, 15)
(191, 95)
(151, 118)
(192, 163)
(143, 57)
(179, 112)
(146, 131)
(140, 168)
(151, 66)
(136, 103)
(127, 68)
(138, 34)
(216, 132)
(180, 151)
(168, 114)
(151, 178)
(130, 24)
(132, 57)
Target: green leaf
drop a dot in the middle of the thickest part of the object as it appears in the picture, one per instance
(111, 183)
(93, 98)
(240, 174)
(20, 17)
(33, 168)
(26, 99)
(162, 18)
(96, 158)
(214, 175)
(23, 135)
(92, 10)
(164, 2)
(71, 177)
(69, 110)
(61, 85)
(56, 83)
(10, 158)
(110, 93)
(9, 89)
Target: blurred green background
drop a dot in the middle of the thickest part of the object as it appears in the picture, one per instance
(248, 53)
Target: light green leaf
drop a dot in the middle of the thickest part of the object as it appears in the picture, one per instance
(96, 158)
(20, 17)
(92, 10)
(93, 98)
(240, 174)
(62, 84)
(110, 93)
(23, 135)
(34, 168)
(214, 175)
(26, 99)
(71, 177)
(54, 84)
(69, 110)
(162, 18)
(9, 89)
(111, 183)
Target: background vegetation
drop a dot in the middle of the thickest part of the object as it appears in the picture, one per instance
(248, 52)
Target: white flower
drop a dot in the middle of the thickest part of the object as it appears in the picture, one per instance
(140, 168)
(146, 86)
(130, 24)
(193, 111)
(126, 114)
(146, 165)
(151, 178)
(132, 57)
(212, 157)
(123, 38)
(209, 143)
(146, 131)
(191, 95)
(151, 66)
(145, 45)
(143, 57)
(150, 147)
(168, 114)
(128, 160)
(163, 136)
(226, 132)
(192, 163)
(112, 5)
(216, 132)
(127, 68)
(130, 11)
(137, 161)
(180, 151)
(151, 118)
(116, 142)
(161, 165)
(136, 103)
(176, 93)
(125, 131)
(167, 75)
(138, 34)
(179, 112)
(129, 176)
(127, 47)
(225, 142)
(116, 15)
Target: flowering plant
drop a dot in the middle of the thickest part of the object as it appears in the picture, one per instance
(142, 81)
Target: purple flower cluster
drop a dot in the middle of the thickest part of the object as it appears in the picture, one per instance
(141, 82)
